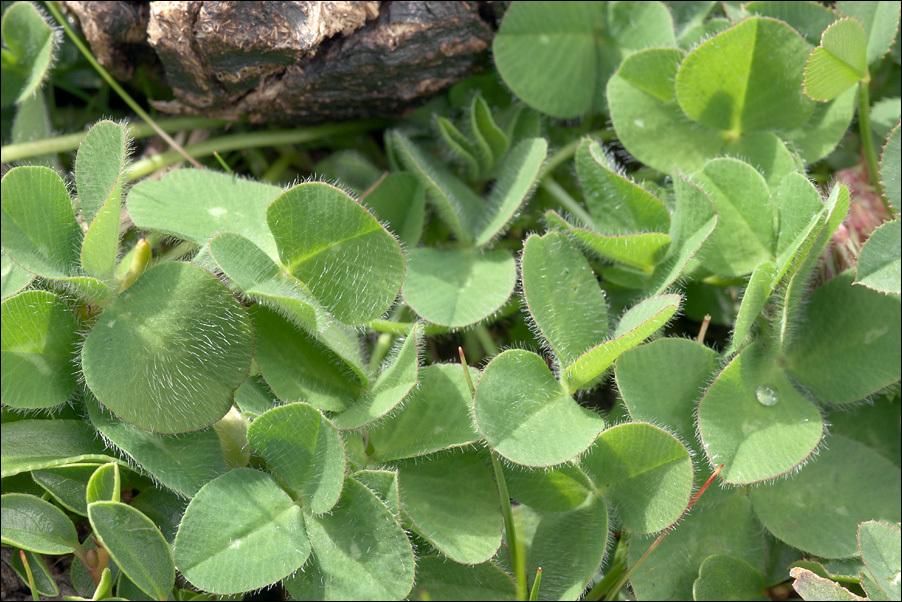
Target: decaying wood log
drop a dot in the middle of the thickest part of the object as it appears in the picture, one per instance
(297, 62)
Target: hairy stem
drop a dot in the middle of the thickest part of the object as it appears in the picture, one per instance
(867, 139)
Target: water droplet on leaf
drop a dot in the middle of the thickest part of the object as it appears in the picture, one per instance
(767, 395)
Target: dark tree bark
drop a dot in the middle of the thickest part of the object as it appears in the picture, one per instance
(296, 62)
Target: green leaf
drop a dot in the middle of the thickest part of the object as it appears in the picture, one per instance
(516, 176)
(261, 279)
(452, 501)
(754, 421)
(43, 578)
(168, 354)
(384, 483)
(104, 484)
(819, 509)
(438, 579)
(491, 141)
(39, 344)
(642, 471)
(527, 416)
(456, 204)
(692, 223)
(458, 287)
(890, 168)
(557, 58)
(757, 293)
(688, 15)
(812, 587)
(254, 397)
(241, 519)
(400, 200)
(305, 450)
(871, 588)
(392, 386)
(562, 296)
(582, 533)
(559, 44)
(100, 167)
(32, 524)
(850, 346)
(35, 444)
(349, 262)
(839, 62)
(218, 202)
(805, 260)
(462, 146)
(667, 397)
(744, 236)
(879, 544)
(12, 277)
(652, 126)
(560, 489)
(724, 577)
(721, 523)
(164, 507)
(879, 263)
(825, 129)
(807, 18)
(648, 119)
(183, 463)
(39, 228)
(300, 367)
(360, 552)
(31, 121)
(435, 417)
(641, 251)
(67, 484)
(31, 42)
(799, 208)
(615, 202)
(881, 23)
(636, 325)
(720, 82)
(136, 545)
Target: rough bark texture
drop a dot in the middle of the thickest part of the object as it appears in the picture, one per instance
(298, 62)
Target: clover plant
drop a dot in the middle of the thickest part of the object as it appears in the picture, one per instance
(232, 385)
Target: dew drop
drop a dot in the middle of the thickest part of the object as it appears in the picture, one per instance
(767, 395)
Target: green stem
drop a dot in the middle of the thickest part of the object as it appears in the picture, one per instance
(402, 328)
(557, 191)
(51, 6)
(380, 349)
(514, 547)
(225, 166)
(248, 140)
(486, 340)
(867, 138)
(70, 142)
